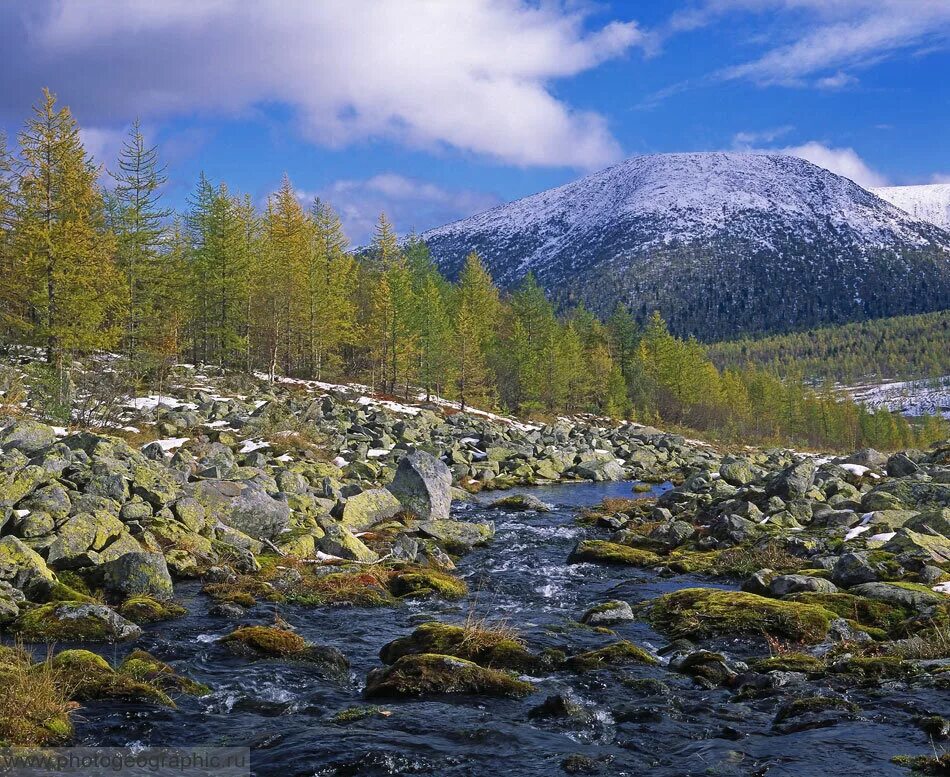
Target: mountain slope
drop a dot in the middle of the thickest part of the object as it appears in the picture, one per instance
(720, 243)
(930, 202)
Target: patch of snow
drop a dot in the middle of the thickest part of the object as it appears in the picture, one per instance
(942, 588)
(375, 453)
(249, 446)
(857, 530)
(340, 462)
(154, 400)
(169, 444)
(856, 469)
(885, 537)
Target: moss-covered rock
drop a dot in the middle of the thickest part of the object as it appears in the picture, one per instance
(269, 641)
(89, 677)
(21, 565)
(704, 612)
(814, 704)
(145, 668)
(891, 667)
(603, 552)
(74, 622)
(458, 536)
(861, 610)
(423, 581)
(428, 673)
(618, 653)
(275, 642)
(789, 662)
(145, 609)
(478, 644)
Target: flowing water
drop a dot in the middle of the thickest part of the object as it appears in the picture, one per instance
(284, 711)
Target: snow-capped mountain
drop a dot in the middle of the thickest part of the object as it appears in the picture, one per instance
(720, 243)
(930, 202)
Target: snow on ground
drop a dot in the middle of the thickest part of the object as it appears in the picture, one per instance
(170, 443)
(911, 398)
(154, 400)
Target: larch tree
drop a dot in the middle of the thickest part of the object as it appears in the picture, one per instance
(281, 281)
(61, 237)
(13, 288)
(476, 315)
(139, 224)
(331, 280)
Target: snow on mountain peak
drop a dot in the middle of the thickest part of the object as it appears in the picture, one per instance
(929, 202)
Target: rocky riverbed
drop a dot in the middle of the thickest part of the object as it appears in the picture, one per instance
(348, 584)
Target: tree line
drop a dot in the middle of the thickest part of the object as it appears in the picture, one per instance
(902, 347)
(88, 266)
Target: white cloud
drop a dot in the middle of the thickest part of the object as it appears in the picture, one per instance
(843, 161)
(751, 138)
(411, 204)
(839, 80)
(818, 40)
(470, 75)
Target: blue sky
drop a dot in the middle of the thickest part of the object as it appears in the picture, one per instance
(435, 109)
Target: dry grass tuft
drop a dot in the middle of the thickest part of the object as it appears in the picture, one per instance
(35, 703)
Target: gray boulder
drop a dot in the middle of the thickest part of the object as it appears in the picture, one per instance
(891, 593)
(608, 614)
(423, 485)
(795, 481)
(853, 569)
(28, 436)
(137, 573)
(368, 508)
(243, 506)
(900, 465)
(794, 584)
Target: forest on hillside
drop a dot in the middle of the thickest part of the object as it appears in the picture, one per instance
(902, 347)
(92, 259)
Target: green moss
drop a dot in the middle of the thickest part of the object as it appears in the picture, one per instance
(704, 612)
(790, 662)
(824, 574)
(266, 641)
(864, 611)
(602, 552)
(81, 661)
(622, 652)
(46, 624)
(810, 704)
(479, 644)
(145, 609)
(425, 581)
(144, 667)
(355, 589)
(353, 714)
(60, 592)
(428, 673)
(88, 677)
(245, 591)
(689, 562)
